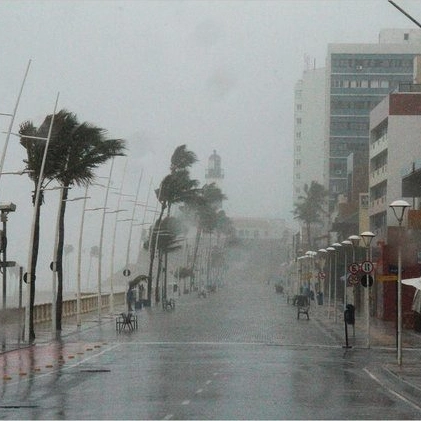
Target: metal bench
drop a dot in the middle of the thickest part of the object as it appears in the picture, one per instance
(124, 321)
(303, 305)
(168, 304)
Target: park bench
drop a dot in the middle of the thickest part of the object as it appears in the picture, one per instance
(124, 321)
(168, 304)
(303, 305)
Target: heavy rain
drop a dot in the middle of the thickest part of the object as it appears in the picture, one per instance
(210, 209)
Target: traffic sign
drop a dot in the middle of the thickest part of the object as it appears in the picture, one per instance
(126, 272)
(364, 279)
(354, 268)
(353, 279)
(367, 266)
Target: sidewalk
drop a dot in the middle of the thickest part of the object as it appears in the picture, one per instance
(383, 338)
(381, 357)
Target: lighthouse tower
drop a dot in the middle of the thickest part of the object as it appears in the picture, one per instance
(214, 172)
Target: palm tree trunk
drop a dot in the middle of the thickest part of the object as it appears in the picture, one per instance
(34, 265)
(158, 273)
(195, 251)
(152, 251)
(59, 262)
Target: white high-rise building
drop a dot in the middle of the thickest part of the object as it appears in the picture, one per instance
(309, 131)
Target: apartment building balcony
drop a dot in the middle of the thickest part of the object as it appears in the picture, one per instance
(378, 175)
(378, 146)
(377, 205)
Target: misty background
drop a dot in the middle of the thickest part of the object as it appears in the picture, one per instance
(214, 75)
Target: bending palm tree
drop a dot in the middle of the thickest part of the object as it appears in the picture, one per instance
(176, 187)
(75, 151)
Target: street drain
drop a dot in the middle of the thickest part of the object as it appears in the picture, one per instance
(99, 370)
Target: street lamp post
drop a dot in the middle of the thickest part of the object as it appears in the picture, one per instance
(399, 207)
(5, 208)
(310, 256)
(355, 240)
(330, 250)
(322, 259)
(101, 238)
(367, 237)
(337, 247)
(345, 244)
(12, 119)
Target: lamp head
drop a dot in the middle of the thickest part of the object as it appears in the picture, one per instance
(7, 207)
(355, 239)
(399, 207)
(367, 237)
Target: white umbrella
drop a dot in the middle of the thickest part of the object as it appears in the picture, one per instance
(413, 282)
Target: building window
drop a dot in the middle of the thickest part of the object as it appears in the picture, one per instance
(406, 36)
(299, 107)
(298, 120)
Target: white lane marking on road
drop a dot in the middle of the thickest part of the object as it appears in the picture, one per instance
(208, 382)
(222, 343)
(391, 391)
(186, 402)
(199, 391)
(168, 416)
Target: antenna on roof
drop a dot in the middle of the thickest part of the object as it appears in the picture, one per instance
(405, 13)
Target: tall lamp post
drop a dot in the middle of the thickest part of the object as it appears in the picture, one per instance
(322, 260)
(367, 237)
(399, 207)
(337, 247)
(345, 245)
(355, 240)
(5, 208)
(310, 256)
(330, 250)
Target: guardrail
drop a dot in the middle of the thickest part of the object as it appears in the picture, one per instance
(88, 303)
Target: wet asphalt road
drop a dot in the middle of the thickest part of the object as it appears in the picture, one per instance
(231, 355)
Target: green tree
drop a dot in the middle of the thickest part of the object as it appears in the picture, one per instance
(75, 151)
(176, 187)
(35, 151)
(167, 241)
(311, 206)
(206, 214)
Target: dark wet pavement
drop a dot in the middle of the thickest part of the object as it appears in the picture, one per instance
(240, 353)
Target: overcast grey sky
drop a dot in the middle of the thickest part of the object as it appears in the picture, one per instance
(208, 74)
